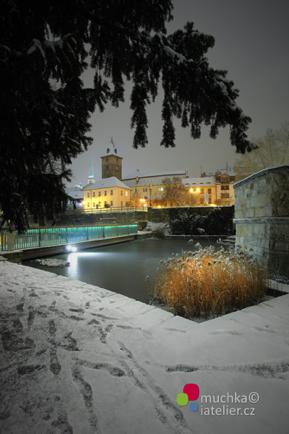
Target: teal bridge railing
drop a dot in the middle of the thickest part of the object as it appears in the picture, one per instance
(46, 237)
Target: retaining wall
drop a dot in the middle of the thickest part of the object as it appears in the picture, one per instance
(262, 217)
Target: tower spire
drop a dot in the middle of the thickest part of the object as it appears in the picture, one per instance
(113, 145)
(91, 177)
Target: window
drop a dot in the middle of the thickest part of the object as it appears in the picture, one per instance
(111, 203)
(209, 190)
(202, 190)
(99, 193)
(121, 192)
(88, 195)
(111, 192)
(105, 192)
(225, 187)
(225, 195)
(93, 194)
(88, 204)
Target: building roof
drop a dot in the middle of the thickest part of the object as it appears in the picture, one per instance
(152, 179)
(138, 174)
(75, 193)
(205, 180)
(106, 183)
(283, 167)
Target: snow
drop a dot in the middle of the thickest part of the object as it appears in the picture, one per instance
(158, 226)
(179, 57)
(153, 178)
(80, 359)
(52, 262)
(261, 172)
(206, 180)
(36, 45)
(106, 183)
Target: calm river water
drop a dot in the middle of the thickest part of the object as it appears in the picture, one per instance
(128, 268)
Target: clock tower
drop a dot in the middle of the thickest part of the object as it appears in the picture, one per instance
(111, 164)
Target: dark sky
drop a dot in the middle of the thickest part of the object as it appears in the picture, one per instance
(252, 43)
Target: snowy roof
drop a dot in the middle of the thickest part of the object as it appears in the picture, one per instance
(205, 180)
(106, 183)
(138, 174)
(75, 192)
(261, 172)
(152, 179)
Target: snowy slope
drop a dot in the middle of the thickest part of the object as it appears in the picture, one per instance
(76, 358)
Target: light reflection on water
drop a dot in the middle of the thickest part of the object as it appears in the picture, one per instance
(128, 268)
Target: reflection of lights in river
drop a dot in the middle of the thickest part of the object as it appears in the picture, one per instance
(70, 248)
(73, 268)
(73, 259)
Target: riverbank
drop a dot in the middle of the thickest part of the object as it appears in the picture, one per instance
(79, 359)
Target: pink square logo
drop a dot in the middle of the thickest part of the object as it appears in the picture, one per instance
(192, 390)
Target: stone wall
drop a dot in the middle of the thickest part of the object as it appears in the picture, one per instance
(262, 217)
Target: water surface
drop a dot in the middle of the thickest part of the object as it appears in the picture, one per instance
(128, 268)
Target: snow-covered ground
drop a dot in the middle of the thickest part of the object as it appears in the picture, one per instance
(79, 359)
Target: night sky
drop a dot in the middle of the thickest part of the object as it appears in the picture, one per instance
(252, 43)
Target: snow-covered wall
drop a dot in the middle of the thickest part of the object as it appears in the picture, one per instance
(262, 217)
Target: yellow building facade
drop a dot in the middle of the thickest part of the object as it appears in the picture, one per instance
(217, 190)
(148, 190)
(106, 193)
(164, 189)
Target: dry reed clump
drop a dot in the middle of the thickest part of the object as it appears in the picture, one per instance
(209, 282)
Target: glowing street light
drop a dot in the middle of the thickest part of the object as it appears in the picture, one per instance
(70, 248)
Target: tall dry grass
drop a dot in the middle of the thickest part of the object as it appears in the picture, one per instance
(209, 282)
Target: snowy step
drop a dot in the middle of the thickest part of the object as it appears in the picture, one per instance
(151, 318)
(177, 323)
